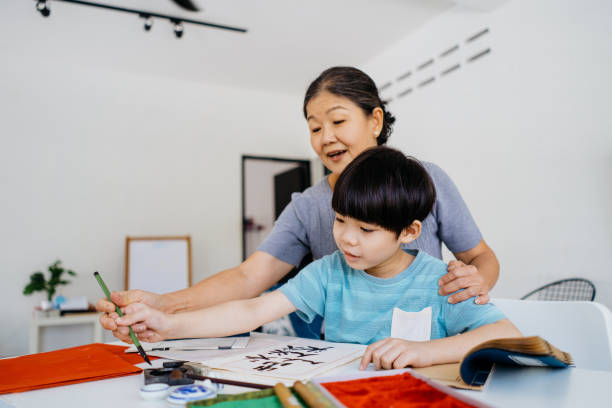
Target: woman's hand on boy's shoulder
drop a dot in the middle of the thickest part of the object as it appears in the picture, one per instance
(466, 277)
(397, 353)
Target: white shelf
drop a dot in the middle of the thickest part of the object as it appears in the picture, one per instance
(69, 319)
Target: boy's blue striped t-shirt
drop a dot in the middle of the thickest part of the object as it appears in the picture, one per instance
(358, 308)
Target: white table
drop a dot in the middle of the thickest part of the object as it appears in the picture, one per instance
(508, 387)
(535, 387)
(37, 323)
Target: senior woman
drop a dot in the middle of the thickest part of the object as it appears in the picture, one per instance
(345, 116)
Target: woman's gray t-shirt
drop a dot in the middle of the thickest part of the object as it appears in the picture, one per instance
(306, 224)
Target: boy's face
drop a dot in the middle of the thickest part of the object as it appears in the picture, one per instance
(364, 245)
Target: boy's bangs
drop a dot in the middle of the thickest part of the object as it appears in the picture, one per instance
(382, 186)
(366, 202)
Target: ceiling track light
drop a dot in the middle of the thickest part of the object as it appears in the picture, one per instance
(41, 6)
(148, 22)
(178, 28)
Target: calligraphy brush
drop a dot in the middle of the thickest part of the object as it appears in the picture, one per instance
(120, 313)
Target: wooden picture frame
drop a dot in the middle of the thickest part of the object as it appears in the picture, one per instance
(158, 264)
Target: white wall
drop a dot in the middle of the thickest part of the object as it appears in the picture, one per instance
(89, 156)
(525, 131)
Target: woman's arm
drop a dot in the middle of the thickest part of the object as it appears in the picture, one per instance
(251, 278)
(224, 319)
(476, 271)
(398, 353)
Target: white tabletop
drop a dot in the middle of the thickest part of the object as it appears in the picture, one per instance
(508, 387)
(536, 387)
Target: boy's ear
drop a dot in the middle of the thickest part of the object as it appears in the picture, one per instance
(411, 232)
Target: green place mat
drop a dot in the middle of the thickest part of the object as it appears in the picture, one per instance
(264, 399)
(266, 402)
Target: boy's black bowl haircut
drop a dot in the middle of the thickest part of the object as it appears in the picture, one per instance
(382, 186)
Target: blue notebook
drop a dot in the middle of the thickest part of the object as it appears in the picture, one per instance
(519, 351)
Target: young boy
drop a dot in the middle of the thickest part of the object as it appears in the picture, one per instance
(369, 288)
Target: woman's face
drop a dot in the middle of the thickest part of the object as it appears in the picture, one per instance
(340, 129)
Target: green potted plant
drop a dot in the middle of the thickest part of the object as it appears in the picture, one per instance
(39, 283)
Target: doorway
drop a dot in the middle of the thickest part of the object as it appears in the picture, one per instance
(267, 185)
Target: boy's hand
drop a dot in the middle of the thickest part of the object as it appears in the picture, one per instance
(149, 324)
(397, 353)
(122, 299)
(467, 277)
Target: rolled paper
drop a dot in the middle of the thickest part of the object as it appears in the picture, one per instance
(286, 398)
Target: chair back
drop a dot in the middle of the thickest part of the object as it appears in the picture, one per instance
(565, 289)
(583, 329)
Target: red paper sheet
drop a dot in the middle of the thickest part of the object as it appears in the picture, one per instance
(397, 391)
(67, 366)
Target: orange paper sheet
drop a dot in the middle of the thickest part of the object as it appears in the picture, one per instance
(67, 366)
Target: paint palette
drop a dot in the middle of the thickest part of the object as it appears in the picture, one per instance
(194, 392)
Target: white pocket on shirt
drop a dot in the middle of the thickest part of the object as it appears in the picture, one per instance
(413, 326)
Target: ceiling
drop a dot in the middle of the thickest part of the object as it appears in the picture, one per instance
(287, 44)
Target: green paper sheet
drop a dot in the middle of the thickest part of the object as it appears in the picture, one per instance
(267, 402)
(264, 399)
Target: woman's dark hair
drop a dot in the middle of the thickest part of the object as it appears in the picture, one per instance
(357, 86)
(384, 187)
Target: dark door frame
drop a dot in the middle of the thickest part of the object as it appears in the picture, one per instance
(268, 158)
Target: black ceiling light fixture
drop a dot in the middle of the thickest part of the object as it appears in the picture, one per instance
(178, 28)
(177, 22)
(186, 4)
(41, 5)
(148, 22)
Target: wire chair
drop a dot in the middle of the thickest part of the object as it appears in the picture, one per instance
(565, 289)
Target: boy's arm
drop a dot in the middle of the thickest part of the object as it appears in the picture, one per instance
(249, 279)
(224, 319)
(398, 353)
